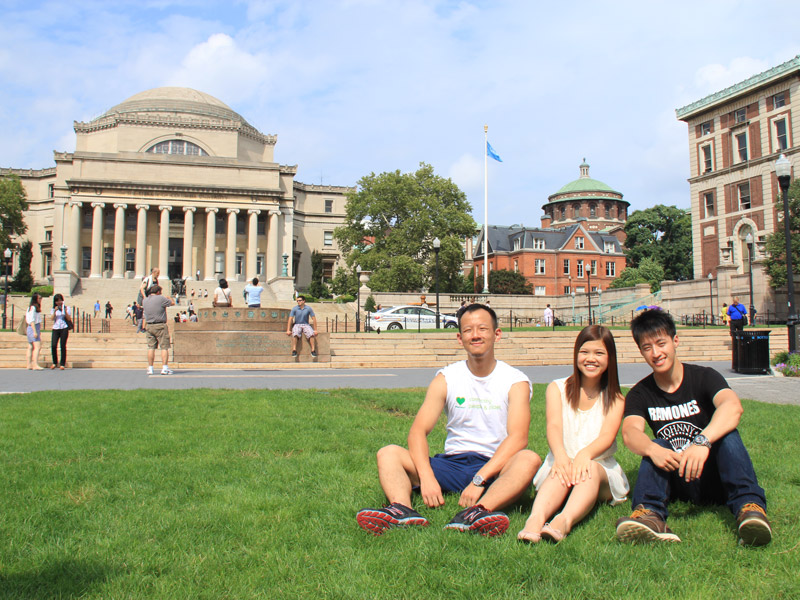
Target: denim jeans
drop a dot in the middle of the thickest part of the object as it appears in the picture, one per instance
(728, 478)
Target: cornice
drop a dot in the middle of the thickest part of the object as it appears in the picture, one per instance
(309, 187)
(753, 162)
(32, 173)
(170, 188)
(740, 88)
(171, 120)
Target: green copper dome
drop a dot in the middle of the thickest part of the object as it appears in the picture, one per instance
(584, 184)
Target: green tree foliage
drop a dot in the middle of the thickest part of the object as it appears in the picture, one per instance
(663, 233)
(508, 282)
(317, 288)
(648, 271)
(776, 242)
(23, 279)
(369, 304)
(345, 282)
(390, 225)
(13, 202)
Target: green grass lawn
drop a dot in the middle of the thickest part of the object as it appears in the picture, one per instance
(253, 494)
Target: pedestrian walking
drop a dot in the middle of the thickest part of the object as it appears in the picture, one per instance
(33, 318)
(62, 323)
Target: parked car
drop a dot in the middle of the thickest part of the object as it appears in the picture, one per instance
(407, 317)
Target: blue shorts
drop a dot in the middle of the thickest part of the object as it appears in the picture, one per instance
(454, 472)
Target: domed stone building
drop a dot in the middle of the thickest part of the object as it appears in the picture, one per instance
(174, 178)
(589, 201)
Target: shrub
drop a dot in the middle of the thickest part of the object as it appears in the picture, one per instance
(345, 298)
(369, 304)
(44, 291)
(790, 365)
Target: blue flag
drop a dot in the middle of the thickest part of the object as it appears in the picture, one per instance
(490, 152)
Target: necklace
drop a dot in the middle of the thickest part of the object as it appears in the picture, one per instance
(595, 397)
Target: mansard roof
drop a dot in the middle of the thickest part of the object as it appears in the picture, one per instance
(501, 239)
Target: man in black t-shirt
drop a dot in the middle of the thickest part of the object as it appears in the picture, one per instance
(697, 454)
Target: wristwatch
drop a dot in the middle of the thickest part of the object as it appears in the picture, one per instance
(478, 480)
(701, 440)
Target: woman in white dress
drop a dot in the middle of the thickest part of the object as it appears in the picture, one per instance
(584, 413)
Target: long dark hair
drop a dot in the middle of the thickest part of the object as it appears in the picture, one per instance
(56, 298)
(609, 381)
(36, 300)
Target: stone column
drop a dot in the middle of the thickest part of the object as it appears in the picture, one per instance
(252, 241)
(141, 240)
(288, 238)
(97, 240)
(119, 241)
(74, 257)
(273, 260)
(211, 237)
(230, 251)
(163, 241)
(188, 233)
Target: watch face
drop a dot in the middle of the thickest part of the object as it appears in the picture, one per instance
(477, 480)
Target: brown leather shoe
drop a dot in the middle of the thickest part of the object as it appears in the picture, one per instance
(644, 526)
(753, 526)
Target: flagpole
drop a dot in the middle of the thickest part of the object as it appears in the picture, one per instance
(485, 209)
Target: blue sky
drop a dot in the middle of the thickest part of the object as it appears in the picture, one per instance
(358, 86)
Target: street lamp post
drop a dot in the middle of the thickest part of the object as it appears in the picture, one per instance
(7, 256)
(783, 169)
(437, 244)
(600, 304)
(358, 301)
(573, 307)
(711, 296)
(749, 241)
(589, 292)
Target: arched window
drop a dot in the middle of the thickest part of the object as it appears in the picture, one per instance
(576, 210)
(592, 210)
(177, 147)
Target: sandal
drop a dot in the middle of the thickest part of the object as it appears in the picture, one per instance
(551, 534)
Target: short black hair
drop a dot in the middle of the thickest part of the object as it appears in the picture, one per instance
(300, 296)
(472, 308)
(255, 280)
(652, 322)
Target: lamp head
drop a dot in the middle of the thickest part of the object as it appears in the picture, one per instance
(783, 166)
(437, 243)
(358, 269)
(710, 277)
(749, 238)
(7, 253)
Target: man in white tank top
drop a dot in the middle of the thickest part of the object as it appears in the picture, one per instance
(485, 460)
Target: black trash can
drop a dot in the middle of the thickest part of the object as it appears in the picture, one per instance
(751, 351)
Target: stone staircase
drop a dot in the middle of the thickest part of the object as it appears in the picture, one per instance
(123, 348)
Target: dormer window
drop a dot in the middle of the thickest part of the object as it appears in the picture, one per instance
(177, 147)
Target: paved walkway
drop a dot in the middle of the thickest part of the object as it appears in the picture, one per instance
(764, 388)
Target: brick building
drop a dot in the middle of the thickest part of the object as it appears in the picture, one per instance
(578, 248)
(735, 137)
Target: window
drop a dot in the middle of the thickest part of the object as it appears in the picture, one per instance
(779, 100)
(611, 269)
(88, 217)
(261, 225)
(563, 212)
(51, 190)
(540, 290)
(579, 268)
(708, 201)
(538, 244)
(177, 147)
(592, 210)
(219, 263)
(109, 220)
(780, 134)
(705, 128)
(539, 266)
(328, 205)
(130, 259)
(579, 243)
(576, 210)
(239, 263)
(707, 162)
(47, 264)
(740, 115)
(86, 258)
(220, 225)
(108, 259)
(240, 224)
(594, 267)
(566, 266)
(609, 247)
(744, 196)
(567, 289)
(608, 211)
(517, 243)
(260, 259)
(516, 266)
(741, 146)
(328, 238)
(48, 235)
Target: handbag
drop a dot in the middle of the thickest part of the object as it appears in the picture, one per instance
(22, 328)
(69, 321)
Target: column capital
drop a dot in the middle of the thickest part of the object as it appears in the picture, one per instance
(189, 209)
(233, 211)
(274, 211)
(165, 207)
(142, 206)
(212, 210)
(253, 211)
(98, 204)
(120, 205)
(75, 203)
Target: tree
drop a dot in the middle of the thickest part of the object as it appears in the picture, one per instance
(23, 280)
(391, 221)
(508, 282)
(663, 233)
(345, 282)
(648, 271)
(13, 202)
(369, 304)
(317, 288)
(776, 241)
